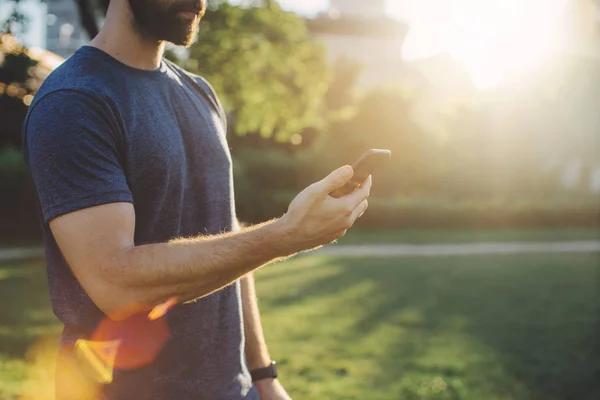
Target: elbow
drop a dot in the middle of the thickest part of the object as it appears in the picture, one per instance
(108, 287)
(116, 302)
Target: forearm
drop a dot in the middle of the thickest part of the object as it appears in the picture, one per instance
(257, 355)
(122, 278)
(187, 269)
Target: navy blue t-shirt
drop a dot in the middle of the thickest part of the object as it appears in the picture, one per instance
(99, 131)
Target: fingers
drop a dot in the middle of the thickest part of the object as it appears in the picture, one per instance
(359, 211)
(360, 194)
(333, 181)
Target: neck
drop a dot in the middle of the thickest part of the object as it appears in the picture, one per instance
(121, 39)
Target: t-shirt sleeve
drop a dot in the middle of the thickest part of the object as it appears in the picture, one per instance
(75, 153)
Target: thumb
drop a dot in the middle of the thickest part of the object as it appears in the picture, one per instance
(335, 180)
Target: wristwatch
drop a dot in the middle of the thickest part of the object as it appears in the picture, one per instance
(264, 373)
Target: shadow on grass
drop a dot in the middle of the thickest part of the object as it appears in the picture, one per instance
(517, 327)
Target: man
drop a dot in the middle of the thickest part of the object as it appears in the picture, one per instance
(133, 174)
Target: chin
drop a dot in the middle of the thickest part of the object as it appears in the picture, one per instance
(185, 42)
(183, 38)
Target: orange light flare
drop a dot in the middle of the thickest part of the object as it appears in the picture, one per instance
(127, 344)
(160, 310)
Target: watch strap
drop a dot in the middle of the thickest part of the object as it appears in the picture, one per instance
(264, 373)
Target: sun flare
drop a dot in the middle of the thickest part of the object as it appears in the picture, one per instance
(494, 38)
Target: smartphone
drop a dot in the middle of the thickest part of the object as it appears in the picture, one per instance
(366, 165)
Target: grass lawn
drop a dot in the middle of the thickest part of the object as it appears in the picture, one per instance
(464, 327)
(423, 236)
(469, 327)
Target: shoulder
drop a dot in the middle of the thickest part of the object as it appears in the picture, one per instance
(85, 76)
(85, 80)
(201, 82)
(69, 92)
(80, 70)
(74, 102)
(202, 85)
(63, 115)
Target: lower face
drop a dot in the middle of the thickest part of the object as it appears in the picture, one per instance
(174, 21)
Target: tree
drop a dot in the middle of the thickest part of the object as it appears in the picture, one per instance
(16, 89)
(271, 76)
(16, 21)
(341, 93)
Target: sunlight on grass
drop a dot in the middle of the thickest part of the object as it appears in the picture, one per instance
(13, 373)
(41, 360)
(28, 333)
(445, 328)
(32, 376)
(12, 273)
(441, 328)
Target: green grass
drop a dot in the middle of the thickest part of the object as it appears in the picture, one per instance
(26, 325)
(469, 327)
(465, 327)
(422, 236)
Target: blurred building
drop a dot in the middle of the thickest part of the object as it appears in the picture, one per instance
(583, 28)
(360, 8)
(582, 48)
(361, 31)
(64, 32)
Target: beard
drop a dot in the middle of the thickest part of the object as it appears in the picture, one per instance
(162, 19)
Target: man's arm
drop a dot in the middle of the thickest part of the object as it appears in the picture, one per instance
(123, 279)
(73, 144)
(257, 355)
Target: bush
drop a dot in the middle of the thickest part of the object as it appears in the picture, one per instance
(18, 211)
(398, 213)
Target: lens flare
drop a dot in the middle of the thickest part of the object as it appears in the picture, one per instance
(98, 358)
(160, 310)
(128, 344)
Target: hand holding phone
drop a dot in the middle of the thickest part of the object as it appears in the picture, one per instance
(366, 165)
(314, 218)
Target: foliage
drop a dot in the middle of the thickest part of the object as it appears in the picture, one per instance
(270, 75)
(384, 119)
(467, 236)
(491, 158)
(17, 202)
(341, 97)
(16, 20)
(16, 89)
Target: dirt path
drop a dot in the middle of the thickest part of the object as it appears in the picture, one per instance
(387, 250)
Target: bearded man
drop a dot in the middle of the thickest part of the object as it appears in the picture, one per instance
(148, 269)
